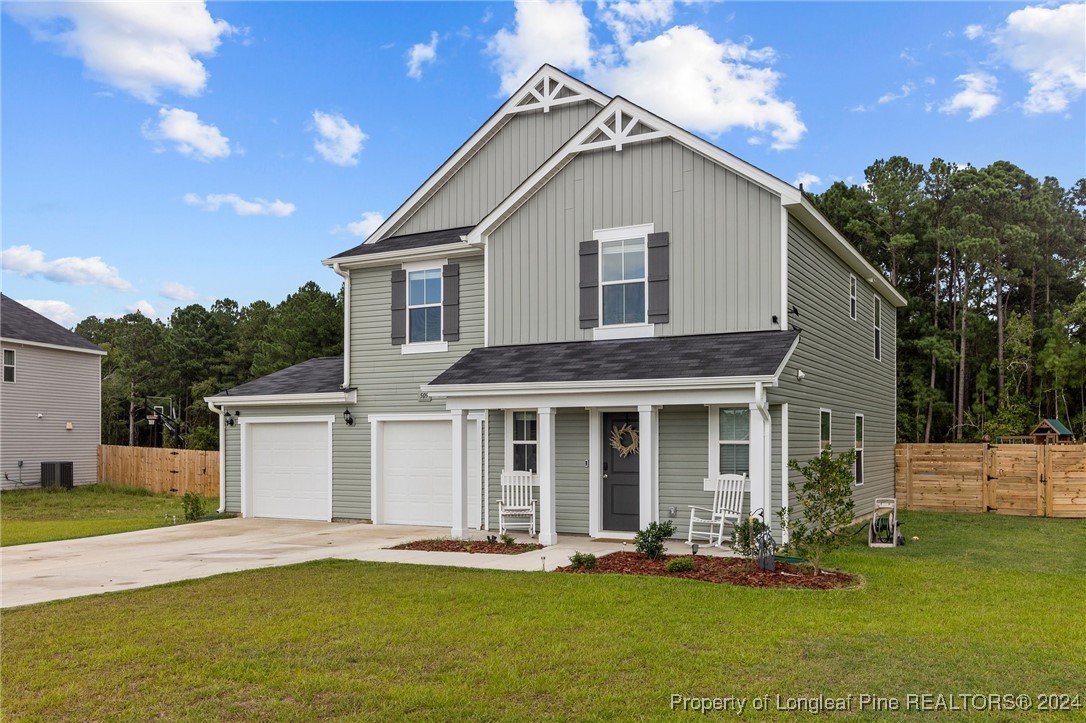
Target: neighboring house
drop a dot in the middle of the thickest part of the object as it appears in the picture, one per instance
(589, 292)
(50, 397)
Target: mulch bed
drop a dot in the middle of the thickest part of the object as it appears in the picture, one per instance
(472, 546)
(730, 570)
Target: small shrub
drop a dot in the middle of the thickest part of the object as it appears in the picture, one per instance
(194, 506)
(745, 537)
(650, 541)
(507, 539)
(826, 500)
(582, 560)
(680, 564)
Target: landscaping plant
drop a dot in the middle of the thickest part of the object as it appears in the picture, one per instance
(193, 505)
(745, 536)
(826, 500)
(507, 539)
(680, 564)
(650, 541)
(582, 560)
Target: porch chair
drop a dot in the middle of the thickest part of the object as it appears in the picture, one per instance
(726, 510)
(516, 508)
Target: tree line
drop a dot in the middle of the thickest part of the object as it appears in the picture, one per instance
(200, 351)
(993, 264)
(991, 260)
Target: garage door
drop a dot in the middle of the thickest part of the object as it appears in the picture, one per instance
(417, 473)
(288, 470)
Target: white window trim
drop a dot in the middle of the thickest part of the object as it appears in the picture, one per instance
(859, 457)
(622, 331)
(424, 347)
(853, 297)
(508, 465)
(829, 442)
(709, 483)
(14, 367)
(876, 327)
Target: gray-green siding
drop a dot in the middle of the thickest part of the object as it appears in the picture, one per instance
(836, 354)
(519, 147)
(724, 254)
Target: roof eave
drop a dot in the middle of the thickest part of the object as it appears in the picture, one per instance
(342, 397)
(58, 347)
(446, 391)
(359, 261)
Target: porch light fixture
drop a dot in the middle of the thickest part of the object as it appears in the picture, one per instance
(348, 418)
(229, 419)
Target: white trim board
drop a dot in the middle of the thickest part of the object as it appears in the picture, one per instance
(58, 347)
(271, 400)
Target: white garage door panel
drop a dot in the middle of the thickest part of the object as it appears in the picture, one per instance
(289, 470)
(417, 473)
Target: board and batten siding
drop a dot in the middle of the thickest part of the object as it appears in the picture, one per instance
(60, 386)
(519, 147)
(836, 355)
(724, 245)
(346, 455)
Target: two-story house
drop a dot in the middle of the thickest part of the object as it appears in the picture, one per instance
(588, 292)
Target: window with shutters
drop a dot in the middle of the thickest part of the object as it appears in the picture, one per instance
(423, 306)
(624, 282)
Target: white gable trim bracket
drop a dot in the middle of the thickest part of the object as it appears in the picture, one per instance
(552, 88)
(619, 127)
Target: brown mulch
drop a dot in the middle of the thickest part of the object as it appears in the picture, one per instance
(472, 546)
(730, 570)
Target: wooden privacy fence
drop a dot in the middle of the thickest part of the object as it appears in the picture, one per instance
(160, 470)
(1009, 479)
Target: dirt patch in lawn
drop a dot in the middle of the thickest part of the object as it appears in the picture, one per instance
(472, 546)
(730, 570)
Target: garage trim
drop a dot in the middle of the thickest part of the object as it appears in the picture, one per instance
(246, 435)
(377, 509)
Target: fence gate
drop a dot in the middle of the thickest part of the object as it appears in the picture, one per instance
(1015, 479)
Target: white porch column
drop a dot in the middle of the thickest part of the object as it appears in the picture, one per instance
(758, 471)
(459, 474)
(545, 462)
(646, 422)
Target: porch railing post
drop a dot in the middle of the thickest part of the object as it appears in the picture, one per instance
(547, 482)
(459, 474)
(646, 422)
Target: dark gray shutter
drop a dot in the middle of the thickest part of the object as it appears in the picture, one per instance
(658, 277)
(590, 281)
(450, 302)
(399, 307)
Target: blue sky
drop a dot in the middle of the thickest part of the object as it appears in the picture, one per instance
(160, 155)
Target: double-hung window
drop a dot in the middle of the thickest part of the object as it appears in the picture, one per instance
(878, 328)
(9, 365)
(852, 297)
(623, 280)
(734, 440)
(525, 441)
(424, 305)
(824, 430)
(859, 446)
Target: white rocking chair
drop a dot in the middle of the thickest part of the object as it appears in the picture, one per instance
(726, 510)
(517, 505)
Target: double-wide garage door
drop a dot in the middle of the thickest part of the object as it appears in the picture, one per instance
(289, 470)
(416, 479)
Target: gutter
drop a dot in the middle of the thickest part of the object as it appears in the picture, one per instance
(346, 323)
(222, 457)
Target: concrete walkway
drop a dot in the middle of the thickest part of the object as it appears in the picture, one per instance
(72, 568)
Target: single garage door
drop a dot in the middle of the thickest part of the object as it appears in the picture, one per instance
(288, 470)
(417, 473)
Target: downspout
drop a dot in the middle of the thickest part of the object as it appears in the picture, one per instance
(222, 457)
(767, 440)
(346, 324)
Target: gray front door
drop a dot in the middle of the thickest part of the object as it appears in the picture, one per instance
(621, 475)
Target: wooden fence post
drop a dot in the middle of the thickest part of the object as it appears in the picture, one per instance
(908, 477)
(985, 492)
(1040, 478)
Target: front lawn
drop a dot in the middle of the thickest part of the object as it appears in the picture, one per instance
(981, 604)
(42, 515)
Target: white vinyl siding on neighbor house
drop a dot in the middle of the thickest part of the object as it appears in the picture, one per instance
(858, 445)
(9, 365)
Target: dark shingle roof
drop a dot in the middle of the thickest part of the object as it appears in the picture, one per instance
(316, 376)
(23, 324)
(409, 241)
(757, 353)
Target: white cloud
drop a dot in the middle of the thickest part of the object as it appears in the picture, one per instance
(807, 180)
(242, 207)
(59, 311)
(143, 306)
(973, 31)
(554, 32)
(370, 222)
(1048, 45)
(183, 128)
(627, 18)
(79, 271)
(421, 54)
(705, 85)
(179, 292)
(338, 141)
(906, 91)
(142, 48)
(979, 95)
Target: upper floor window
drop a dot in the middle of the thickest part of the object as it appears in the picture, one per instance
(852, 297)
(622, 281)
(824, 430)
(525, 441)
(9, 365)
(734, 441)
(878, 328)
(424, 305)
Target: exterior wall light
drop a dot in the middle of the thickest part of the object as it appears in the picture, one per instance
(348, 418)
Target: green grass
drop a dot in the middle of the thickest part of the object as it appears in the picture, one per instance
(981, 604)
(37, 515)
